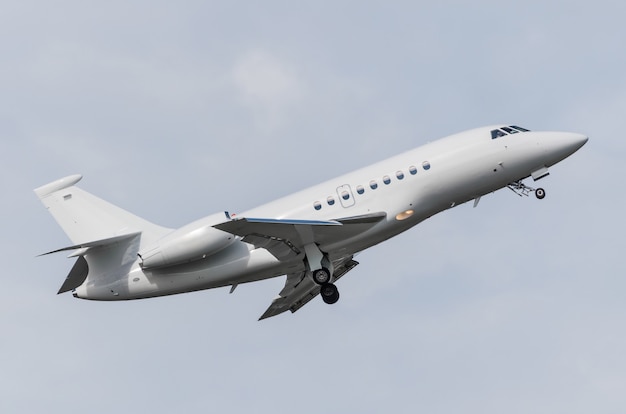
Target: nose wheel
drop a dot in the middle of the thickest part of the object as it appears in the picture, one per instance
(521, 189)
(540, 193)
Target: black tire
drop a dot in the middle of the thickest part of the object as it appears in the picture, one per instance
(329, 293)
(540, 193)
(321, 276)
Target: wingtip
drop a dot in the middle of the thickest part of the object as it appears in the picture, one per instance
(266, 315)
(271, 311)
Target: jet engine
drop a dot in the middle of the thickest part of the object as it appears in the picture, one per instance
(194, 241)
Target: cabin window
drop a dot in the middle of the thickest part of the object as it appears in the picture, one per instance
(373, 185)
(426, 165)
(360, 189)
(317, 205)
(413, 169)
(330, 200)
(399, 175)
(386, 179)
(345, 195)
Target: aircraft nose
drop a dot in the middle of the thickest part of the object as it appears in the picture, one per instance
(563, 144)
(576, 141)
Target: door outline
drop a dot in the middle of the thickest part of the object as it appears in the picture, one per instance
(350, 201)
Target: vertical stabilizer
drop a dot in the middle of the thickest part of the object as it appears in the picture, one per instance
(85, 217)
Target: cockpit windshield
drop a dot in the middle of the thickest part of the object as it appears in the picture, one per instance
(513, 129)
(520, 129)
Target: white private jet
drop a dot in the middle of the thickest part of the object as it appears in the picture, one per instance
(310, 236)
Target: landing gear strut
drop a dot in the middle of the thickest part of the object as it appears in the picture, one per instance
(322, 269)
(521, 189)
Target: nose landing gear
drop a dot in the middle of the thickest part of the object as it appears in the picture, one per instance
(521, 189)
(540, 193)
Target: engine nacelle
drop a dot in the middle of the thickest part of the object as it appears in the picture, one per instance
(192, 242)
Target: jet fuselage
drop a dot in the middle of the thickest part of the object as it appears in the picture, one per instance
(409, 188)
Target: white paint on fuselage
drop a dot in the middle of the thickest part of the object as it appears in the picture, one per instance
(462, 167)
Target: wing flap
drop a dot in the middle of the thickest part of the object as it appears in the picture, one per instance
(281, 249)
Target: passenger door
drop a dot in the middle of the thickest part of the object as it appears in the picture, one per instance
(345, 195)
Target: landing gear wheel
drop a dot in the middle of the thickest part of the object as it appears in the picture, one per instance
(321, 276)
(329, 293)
(540, 193)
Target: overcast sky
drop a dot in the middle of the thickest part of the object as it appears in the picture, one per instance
(177, 110)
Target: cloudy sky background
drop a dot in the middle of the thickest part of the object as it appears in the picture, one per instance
(178, 111)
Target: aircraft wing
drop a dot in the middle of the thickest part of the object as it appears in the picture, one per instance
(299, 289)
(285, 237)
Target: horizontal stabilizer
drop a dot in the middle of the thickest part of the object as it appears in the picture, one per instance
(97, 243)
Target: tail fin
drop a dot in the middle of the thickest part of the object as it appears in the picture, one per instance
(86, 218)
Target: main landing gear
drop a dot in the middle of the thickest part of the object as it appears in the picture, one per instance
(321, 276)
(320, 267)
(521, 189)
(328, 291)
(322, 273)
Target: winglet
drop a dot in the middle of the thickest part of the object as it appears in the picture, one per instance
(57, 185)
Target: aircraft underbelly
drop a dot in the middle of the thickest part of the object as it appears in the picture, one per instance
(247, 266)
